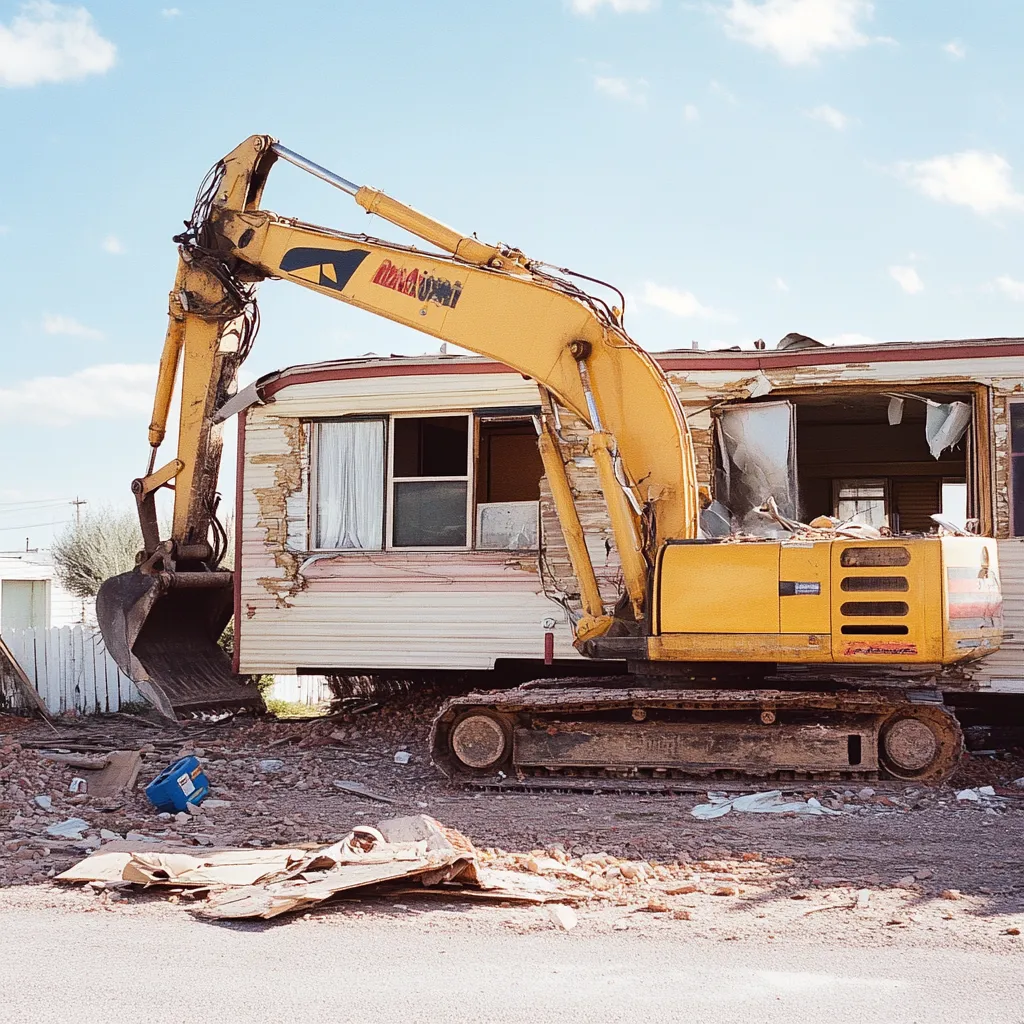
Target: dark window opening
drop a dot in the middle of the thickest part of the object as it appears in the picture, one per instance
(431, 446)
(430, 470)
(853, 749)
(508, 474)
(508, 466)
(1017, 467)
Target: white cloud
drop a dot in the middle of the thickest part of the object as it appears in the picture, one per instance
(908, 279)
(691, 113)
(111, 391)
(955, 49)
(682, 304)
(781, 285)
(797, 31)
(1011, 288)
(56, 323)
(113, 245)
(618, 6)
(829, 115)
(972, 178)
(627, 90)
(48, 43)
(170, 12)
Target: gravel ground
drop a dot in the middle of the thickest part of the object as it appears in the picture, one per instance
(901, 865)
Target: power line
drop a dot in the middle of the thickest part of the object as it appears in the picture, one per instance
(15, 505)
(33, 526)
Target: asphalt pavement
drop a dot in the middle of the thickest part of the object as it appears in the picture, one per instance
(113, 966)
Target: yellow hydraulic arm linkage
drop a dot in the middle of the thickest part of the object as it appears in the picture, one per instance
(489, 299)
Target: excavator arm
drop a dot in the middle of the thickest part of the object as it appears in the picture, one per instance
(491, 300)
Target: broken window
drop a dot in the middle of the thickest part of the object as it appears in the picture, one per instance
(1017, 467)
(876, 458)
(861, 501)
(349, 489)
(508, 473)
(430, 481)
(757, 449)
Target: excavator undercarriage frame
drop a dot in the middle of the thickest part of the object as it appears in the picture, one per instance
(557, 734)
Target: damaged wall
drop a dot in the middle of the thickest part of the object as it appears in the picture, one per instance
(421, 609)
(375, 609)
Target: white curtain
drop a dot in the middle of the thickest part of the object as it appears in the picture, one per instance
(350, 484)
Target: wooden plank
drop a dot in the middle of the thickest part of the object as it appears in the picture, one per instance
(25, 685)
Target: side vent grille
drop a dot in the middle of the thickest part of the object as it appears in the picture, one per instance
(874, 557)
(864, 609)
(854, 584)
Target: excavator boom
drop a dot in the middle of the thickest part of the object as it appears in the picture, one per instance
(491, 300)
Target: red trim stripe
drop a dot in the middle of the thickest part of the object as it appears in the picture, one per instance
(919, 352)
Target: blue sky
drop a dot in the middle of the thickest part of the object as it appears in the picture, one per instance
(740, 168)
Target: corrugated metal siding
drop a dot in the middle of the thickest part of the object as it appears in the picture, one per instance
(71, 670)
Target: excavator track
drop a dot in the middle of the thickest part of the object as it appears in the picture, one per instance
(560, 735)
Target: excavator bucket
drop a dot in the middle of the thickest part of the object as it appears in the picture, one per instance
(162, 630)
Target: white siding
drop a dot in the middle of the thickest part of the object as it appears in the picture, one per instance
(64, 608)
(362, 610)
(457, 610)
(1004, 670)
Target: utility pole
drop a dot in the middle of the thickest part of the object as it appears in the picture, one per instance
(78, 503)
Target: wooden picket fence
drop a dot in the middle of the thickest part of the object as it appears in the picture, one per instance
(71, 670)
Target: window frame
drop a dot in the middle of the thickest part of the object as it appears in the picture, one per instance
(312, 519)
(838, 483)
(390, 479)
(1012, 456)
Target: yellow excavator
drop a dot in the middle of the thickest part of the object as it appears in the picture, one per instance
(794, 657)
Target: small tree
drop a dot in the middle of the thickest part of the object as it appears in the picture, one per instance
(102, 544)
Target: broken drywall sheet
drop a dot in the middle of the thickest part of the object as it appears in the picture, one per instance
(265, 883)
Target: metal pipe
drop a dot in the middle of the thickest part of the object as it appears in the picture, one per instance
(595, 416)
(321, 172)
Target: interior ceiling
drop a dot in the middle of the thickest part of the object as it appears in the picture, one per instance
(862, 408)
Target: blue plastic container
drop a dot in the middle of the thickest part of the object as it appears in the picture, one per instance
(176, 787)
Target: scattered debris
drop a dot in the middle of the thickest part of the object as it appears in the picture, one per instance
(265, 883)
(771, 802)
(179, 785)
(271, 764)
(70, 828)
(43, 801)
(402, 757)
(358, 789)
(985, 796)
(564, 917)
(120, 773)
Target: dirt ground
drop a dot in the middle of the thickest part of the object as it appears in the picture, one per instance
(901, 864)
